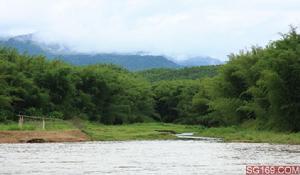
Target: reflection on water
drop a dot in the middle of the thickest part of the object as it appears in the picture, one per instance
(141, 157)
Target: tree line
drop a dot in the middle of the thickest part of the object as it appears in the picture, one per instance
(186, 73)
(258, 87)
(105, 93)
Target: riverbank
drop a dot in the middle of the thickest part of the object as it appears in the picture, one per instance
(67, 132)
(138, 131)
(239, 134)
(42, 136)
(56, 131)
(162, 131)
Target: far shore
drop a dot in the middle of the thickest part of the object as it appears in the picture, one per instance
(42, 136)
(67, 132)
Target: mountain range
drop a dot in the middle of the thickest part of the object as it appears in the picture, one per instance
(137, 61)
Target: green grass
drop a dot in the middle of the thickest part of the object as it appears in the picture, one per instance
(37, 125)
(148, 131)
(238, 134)
(139, 131)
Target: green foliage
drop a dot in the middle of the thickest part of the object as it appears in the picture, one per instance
(173, 99)
(56, 114)
(191, 73)
(261, 84)
(104, 93)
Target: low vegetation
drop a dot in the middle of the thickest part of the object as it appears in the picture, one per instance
(138, 131)
(159, 131)
(37, 126)
(238, 134)
(163, 131)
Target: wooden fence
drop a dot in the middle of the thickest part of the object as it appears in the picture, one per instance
(42, 118)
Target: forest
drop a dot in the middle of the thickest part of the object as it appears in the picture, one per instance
(259, 87)
(189, 73)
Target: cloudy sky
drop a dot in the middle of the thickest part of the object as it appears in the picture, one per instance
(178, 28)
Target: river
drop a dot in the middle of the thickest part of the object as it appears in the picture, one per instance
(142, 157)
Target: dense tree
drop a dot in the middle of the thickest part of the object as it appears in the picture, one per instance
(259, 86)
(104, 93)
(262, 84)
(173, 99)
(190, 73)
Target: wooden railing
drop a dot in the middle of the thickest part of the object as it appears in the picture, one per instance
(43, 118)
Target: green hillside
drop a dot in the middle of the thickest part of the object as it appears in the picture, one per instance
(133, 62)
(190, 73)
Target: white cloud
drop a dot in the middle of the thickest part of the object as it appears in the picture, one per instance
(172, 27)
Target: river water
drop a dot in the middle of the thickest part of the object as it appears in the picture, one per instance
(142, 157)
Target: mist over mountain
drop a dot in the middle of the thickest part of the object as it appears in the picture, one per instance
(199, 61)
(133, 61)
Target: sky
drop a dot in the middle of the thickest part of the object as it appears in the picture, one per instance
(176, 28)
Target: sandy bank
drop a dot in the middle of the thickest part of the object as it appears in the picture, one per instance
(42, 136)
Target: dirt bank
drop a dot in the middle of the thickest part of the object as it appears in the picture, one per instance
(42, 136)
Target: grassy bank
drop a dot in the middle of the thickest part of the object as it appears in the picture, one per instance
(32, 132)
(150, 131)
(139, 131)
(37, 126)
(159, 131)
(237, 134)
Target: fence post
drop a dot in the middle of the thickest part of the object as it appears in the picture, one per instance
(20, 121)
(43, 123)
